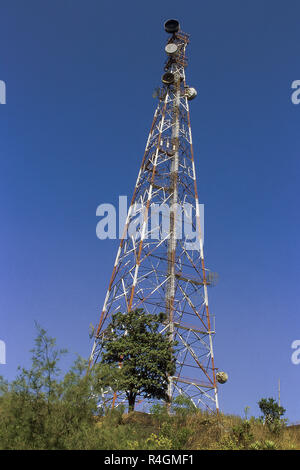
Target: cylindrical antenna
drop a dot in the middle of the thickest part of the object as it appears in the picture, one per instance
(172, 26)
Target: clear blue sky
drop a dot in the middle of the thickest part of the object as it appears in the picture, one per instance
(80, 76)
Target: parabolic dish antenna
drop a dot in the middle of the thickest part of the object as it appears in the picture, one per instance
(171, 49)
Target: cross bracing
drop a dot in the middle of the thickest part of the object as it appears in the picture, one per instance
(159, 264)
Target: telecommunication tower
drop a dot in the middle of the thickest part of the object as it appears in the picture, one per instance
(162, 268)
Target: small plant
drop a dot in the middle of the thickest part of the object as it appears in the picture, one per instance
(246, 409)
(239, 438)
(270, 445)
(242, 434)
(177, 435)
(263, 445)
(227, 443)
(272, 413)
(115, 415)
(183, 406)
(155, 442)
(160, 413)
(257, 445)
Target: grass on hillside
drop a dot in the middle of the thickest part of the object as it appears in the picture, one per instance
(191, 431)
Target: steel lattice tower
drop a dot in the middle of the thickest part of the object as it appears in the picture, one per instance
(157, 270)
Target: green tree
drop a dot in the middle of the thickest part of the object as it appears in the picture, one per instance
(28, 402)
(145, 355)
(42, 409)
(271, 410)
